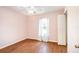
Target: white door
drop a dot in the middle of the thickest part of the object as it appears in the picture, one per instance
(44, 29)
(61, 29)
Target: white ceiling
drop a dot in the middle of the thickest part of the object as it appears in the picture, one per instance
(32, 10)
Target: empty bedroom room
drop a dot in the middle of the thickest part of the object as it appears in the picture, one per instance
(33, 29)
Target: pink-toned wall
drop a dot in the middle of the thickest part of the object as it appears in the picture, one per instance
(33, 24)
(13, 26)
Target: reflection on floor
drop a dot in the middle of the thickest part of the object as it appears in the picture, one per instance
(34, 46)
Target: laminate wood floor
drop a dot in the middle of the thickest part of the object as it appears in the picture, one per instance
(34, 46)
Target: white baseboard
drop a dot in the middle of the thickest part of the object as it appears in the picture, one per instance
(52, 41)
(11, 43)
(21, 40)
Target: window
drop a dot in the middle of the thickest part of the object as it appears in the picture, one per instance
(44, 29)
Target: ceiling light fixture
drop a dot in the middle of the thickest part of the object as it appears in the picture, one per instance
(31, 10)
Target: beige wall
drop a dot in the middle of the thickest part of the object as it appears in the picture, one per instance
(13, 26)
(73, 28)
(34, 23)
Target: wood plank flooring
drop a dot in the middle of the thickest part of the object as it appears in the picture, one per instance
(34, 46)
